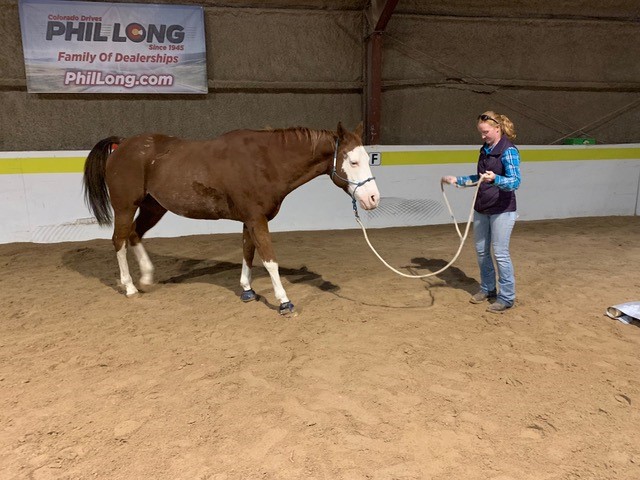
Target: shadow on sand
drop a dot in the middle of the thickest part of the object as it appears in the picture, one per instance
(99, 262)
(453, 277)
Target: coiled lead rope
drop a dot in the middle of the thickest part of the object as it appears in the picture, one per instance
(460, 235)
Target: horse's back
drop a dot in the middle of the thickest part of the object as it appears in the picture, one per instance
(218, 178)
(236, 145)
(192, 178)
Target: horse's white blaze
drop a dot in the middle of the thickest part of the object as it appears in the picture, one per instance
(278, 290)
(125, 277)
(356, 168)
(146, 267)
(245, 276)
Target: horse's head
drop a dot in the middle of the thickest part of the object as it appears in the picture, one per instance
(351, 170)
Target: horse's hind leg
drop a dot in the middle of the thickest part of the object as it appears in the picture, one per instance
(259, 232)
(248, 252)
(122, 228)
(149, 215)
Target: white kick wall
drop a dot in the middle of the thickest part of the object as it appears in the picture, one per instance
(41, 192)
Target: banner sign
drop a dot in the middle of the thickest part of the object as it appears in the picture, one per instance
(96, 47)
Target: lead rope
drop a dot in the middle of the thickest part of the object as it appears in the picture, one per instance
(460, 235)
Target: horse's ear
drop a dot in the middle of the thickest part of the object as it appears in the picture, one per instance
(359, 129)
(340, 130)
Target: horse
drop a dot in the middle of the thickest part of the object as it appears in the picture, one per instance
(242, 175)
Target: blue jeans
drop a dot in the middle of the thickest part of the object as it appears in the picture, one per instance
(494, 231)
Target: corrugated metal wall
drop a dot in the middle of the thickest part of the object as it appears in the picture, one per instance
(554, 69)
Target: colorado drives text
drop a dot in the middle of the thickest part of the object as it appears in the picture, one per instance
(128, 80)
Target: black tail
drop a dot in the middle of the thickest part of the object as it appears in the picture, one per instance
(96, 193)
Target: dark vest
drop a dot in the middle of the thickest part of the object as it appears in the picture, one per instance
(491, 200)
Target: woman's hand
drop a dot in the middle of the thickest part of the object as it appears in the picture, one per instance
(489, 176)
(449, 179)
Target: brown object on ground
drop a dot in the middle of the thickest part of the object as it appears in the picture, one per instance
(379, 377)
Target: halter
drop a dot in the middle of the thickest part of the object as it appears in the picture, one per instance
(334, 172)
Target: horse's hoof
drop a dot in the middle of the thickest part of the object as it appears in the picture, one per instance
(147, 287)
(286, 308)
(248, 295)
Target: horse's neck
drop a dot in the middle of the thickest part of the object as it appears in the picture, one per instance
(317, 162)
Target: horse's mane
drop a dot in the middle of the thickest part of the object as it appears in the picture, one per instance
(304, 133)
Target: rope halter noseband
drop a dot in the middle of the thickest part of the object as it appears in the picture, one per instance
(334, 172)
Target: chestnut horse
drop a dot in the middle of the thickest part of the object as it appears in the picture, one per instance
(243, 175)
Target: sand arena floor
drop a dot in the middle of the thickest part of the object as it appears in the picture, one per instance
(378, 377)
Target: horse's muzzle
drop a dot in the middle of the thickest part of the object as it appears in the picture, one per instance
(368, 196)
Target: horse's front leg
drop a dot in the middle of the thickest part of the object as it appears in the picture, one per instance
(146, 267)
(248, 251)
(259, 232)
(149, 215)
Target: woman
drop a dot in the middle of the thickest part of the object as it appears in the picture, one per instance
(495, 209)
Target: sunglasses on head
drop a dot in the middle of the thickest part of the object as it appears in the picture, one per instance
(484, 118)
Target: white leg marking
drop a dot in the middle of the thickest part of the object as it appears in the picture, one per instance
(146, 267)
(125, 277)
(245, 276)
(278, 290)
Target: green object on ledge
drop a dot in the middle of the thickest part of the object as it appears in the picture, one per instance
(579, 141)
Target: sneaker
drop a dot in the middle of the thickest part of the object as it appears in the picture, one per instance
(482, 297)
(498, 307)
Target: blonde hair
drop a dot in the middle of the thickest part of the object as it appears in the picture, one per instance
(506, 125)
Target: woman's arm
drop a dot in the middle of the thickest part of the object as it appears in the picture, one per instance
(511, 178)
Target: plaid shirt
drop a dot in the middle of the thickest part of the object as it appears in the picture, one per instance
(510, 181)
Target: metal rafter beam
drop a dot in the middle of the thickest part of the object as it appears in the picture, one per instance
(379, 13)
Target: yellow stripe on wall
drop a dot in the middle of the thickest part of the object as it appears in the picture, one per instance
(433, 157)
(41, 165)
(551, 155)
(425, 157)
(428, 157)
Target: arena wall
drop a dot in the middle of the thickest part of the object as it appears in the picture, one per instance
(555, 68)
(42, 201)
